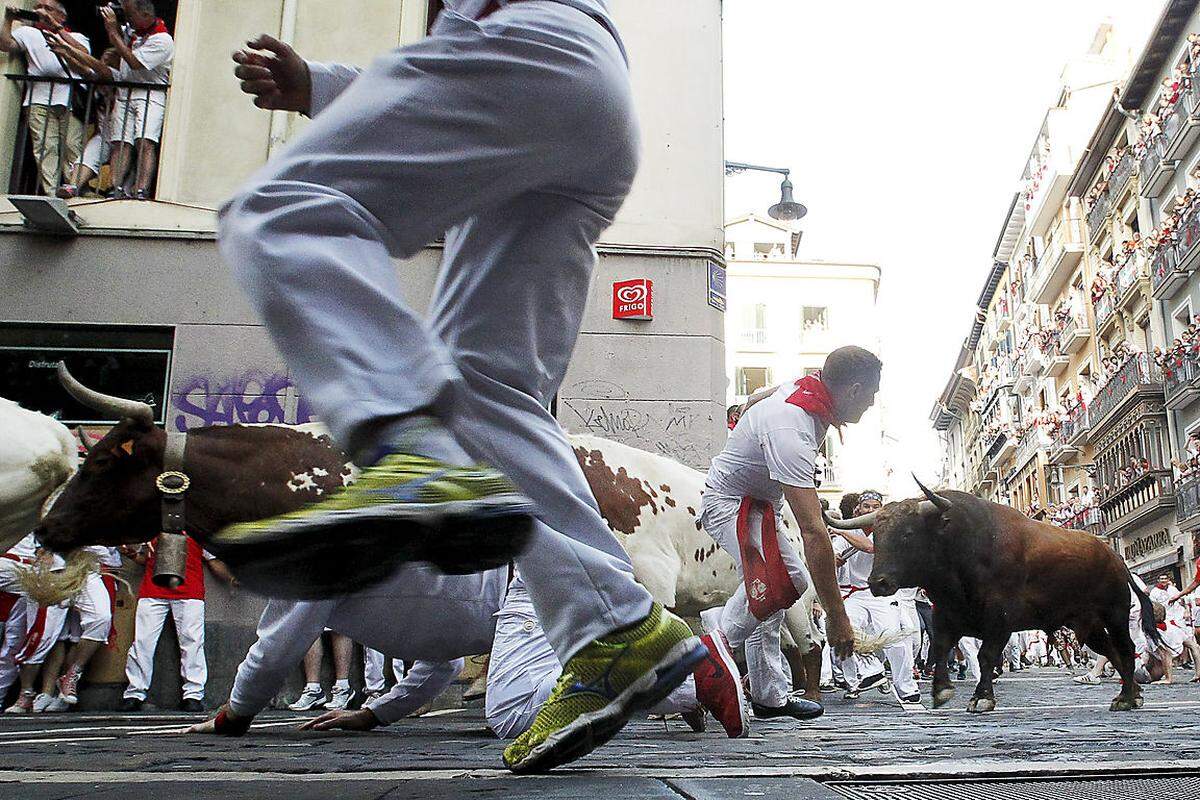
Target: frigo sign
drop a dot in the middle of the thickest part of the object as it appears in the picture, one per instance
(1137, 549)
(633, 299)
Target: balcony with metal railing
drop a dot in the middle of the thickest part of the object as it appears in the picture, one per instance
(1165, 278)
(1131, 276)
(1089, 519)
(1186, 243)
(755, 337)
(1181, 380)
(1154, 170)
(1139, 373)
(1103, 308)
(76, 155)
(1064, 250)
(1033, 441)
(1182, 125)
(1074, 335)
(1096, 217)
(1187, 503)
(1069, 438)
(1126, 166)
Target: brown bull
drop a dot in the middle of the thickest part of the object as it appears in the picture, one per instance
(990, 571)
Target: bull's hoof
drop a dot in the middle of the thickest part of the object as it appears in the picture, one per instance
(980, 705)
(1123, 703)
(942, 696)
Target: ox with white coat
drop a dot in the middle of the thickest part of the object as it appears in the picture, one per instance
(37, 455)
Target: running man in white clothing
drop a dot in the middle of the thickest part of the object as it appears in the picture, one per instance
(510, 132)
(771, 457)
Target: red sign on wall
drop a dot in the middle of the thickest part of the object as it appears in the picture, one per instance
(633, 299)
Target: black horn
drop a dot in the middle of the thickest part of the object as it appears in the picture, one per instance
(940, 502)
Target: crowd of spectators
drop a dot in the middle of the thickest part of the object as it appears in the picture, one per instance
(1189, 465)
(124, 112)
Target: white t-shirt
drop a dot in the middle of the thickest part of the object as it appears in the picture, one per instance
(774, 443)
(109, 556)
(26, 548)
(41, 61)
(856, 571)
(156, 53)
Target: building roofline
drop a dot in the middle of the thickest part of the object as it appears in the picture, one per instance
(1138, 89)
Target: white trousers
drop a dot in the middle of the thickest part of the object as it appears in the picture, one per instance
(969, 646)
(188, 616)
(14, 634)
(523, 670)
(43, 626)
(373, 664)
(880, 616)
(769, 683)
(92, 619)
(515, 137)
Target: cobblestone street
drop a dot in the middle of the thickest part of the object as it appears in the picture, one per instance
(1045, 725)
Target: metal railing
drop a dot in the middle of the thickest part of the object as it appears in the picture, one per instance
(1156, 151)
(1089, 519)
(1177, 120)
(755, 336)
(1179, 374)
(99, 111)
(1187, 499)
(1104, 309)
(1139, 370)
(1121, 173)
(1097, 215)
(1128, 274)
(1069, 426)
(1162, 265)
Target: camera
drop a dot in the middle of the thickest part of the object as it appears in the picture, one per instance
(22, 14)
(117, 8)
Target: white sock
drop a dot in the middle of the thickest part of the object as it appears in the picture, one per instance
(312, 687)
(343, 685)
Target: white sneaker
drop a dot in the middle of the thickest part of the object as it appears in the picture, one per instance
(310, 699)
(57, 705)
(24, 704)
(340, 698)
(1087, 679)
(42, 702)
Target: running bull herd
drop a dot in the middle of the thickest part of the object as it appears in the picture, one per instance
(988, 569)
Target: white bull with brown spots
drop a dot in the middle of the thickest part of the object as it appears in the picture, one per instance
(37, 454)
(652, 504)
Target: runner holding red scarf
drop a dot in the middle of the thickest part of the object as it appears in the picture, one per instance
(770, 457)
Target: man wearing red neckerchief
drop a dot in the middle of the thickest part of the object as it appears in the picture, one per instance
(771, 457)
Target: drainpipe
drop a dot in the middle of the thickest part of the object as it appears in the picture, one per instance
(280, 119)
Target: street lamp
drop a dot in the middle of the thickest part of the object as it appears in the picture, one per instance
(787, 208)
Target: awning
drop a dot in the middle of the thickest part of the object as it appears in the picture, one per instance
(1158, 562)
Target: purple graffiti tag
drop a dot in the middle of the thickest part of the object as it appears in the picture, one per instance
(253, 397)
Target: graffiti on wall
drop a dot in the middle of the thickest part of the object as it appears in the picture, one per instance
(254, 397)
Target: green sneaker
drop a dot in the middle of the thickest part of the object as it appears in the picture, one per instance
(602, 686)
(404, 508)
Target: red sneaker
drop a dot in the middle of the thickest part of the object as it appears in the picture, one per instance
(719, 688)
(68, 685)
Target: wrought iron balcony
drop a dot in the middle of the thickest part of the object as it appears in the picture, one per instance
(1165, 277)
(1096, 217)
(1121, 173)
(1104, 308)
(1128, 277)
(1187, 502)
(1181, 381)
(1074, 335)
(1154, 170)
(1139, 372)
(1089, 519)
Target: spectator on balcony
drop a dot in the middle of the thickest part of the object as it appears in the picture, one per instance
(98, 149)
(57, 134)
(147, 51)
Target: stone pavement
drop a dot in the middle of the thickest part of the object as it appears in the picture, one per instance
(1045, 724)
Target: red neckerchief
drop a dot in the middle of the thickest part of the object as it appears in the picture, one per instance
(158, 26)
(812, 395)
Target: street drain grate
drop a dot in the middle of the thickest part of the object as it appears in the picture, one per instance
(1184, 786)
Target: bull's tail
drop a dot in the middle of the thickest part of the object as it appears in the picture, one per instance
(1153, 637)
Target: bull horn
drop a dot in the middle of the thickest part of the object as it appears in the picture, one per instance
(104, 403)
(939, 502)
(852, 524)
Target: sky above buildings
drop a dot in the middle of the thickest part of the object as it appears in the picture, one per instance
(906, 126)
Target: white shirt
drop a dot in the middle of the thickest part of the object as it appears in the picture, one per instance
(774, 443)
(156, 52)
(597, 9)
(857, 571)
(26, 548)
(109, 556)
(41, 61)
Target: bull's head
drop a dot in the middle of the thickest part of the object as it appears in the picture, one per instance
(905, 534)
(112, 498)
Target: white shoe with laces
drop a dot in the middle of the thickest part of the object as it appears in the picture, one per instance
(340, 699)
(311, 698)
(42, 702)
